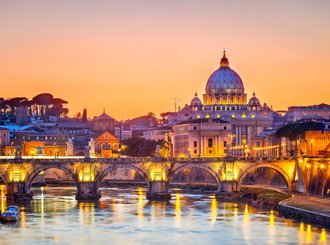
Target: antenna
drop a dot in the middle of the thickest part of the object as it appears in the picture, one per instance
(176, 101)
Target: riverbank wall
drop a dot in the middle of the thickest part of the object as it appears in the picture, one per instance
(303, 215)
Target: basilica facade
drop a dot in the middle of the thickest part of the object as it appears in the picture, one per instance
(226, 99)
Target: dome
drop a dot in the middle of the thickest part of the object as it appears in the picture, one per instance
(224, 80)
(254, 101)
(196, 101)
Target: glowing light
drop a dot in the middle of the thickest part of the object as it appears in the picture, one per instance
(243, 115)
(214, 210)
(246, 214)
(271, 218)
(323, 235)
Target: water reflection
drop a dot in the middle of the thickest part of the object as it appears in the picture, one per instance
(3, 198)
(54, 216)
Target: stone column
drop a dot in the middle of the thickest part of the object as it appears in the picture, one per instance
(87, 191)
(16, 193)
(158, 191)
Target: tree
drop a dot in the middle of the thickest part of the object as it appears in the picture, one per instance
(140, 147)
(84, 116)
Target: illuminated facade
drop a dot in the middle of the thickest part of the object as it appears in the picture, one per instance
(225, 99)
(316, 143)
(200, 138)
(106, 145)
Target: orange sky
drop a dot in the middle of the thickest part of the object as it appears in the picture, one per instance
(131, 57)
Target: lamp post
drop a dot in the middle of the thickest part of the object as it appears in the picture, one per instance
(312, 141)
(189, 151)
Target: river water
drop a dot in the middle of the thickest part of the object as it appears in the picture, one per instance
(124, 216)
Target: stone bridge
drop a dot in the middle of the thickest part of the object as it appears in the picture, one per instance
(87, 173)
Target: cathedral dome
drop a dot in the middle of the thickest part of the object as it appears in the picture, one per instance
(224, 80)
(254, 101)
(196, 101)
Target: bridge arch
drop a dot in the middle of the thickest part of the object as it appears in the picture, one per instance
(39, 169)
(265, 165)
(114, 167)
(199, 166)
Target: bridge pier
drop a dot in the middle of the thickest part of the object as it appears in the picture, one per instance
(225, 189)
(87, 191)
(15, 192)
(158, 191)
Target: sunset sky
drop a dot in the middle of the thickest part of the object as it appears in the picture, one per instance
(132, 57)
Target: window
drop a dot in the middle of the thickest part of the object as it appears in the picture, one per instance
(243, 115)
(207, 116)
(253, 116)
(224, 127)
(198, 116)
(195, 151)
(218, 116)
(225, 144)
(195, 143)
(195, 128)
(233, 115)
(210, 142)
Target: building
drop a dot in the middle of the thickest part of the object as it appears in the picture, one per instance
(316, 143)
(200, 138)
(225, 99)
(4, 139)
(104, 122)
(296, 113)
(33, 143)
(156, 134)
(106, 145)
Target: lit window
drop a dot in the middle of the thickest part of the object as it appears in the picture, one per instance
(218, 116)
(243, 115)
(233, 115)
(207, 116)
(253, 116)
(198, 116)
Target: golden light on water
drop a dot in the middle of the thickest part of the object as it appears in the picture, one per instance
(3, 199)
(140, 202)
(323, 235)
(271, 218)
(246, 214)
(177, 210)
(42, 199)
(309, 235)
(214, 210)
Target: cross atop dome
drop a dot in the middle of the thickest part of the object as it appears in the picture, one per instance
(224, 60)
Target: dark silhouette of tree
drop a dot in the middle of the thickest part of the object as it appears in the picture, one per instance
(165, 115)
(295, 131)
(140, 147)
(84, 116)
(15, 102)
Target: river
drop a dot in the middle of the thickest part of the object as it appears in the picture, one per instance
(124, 216)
